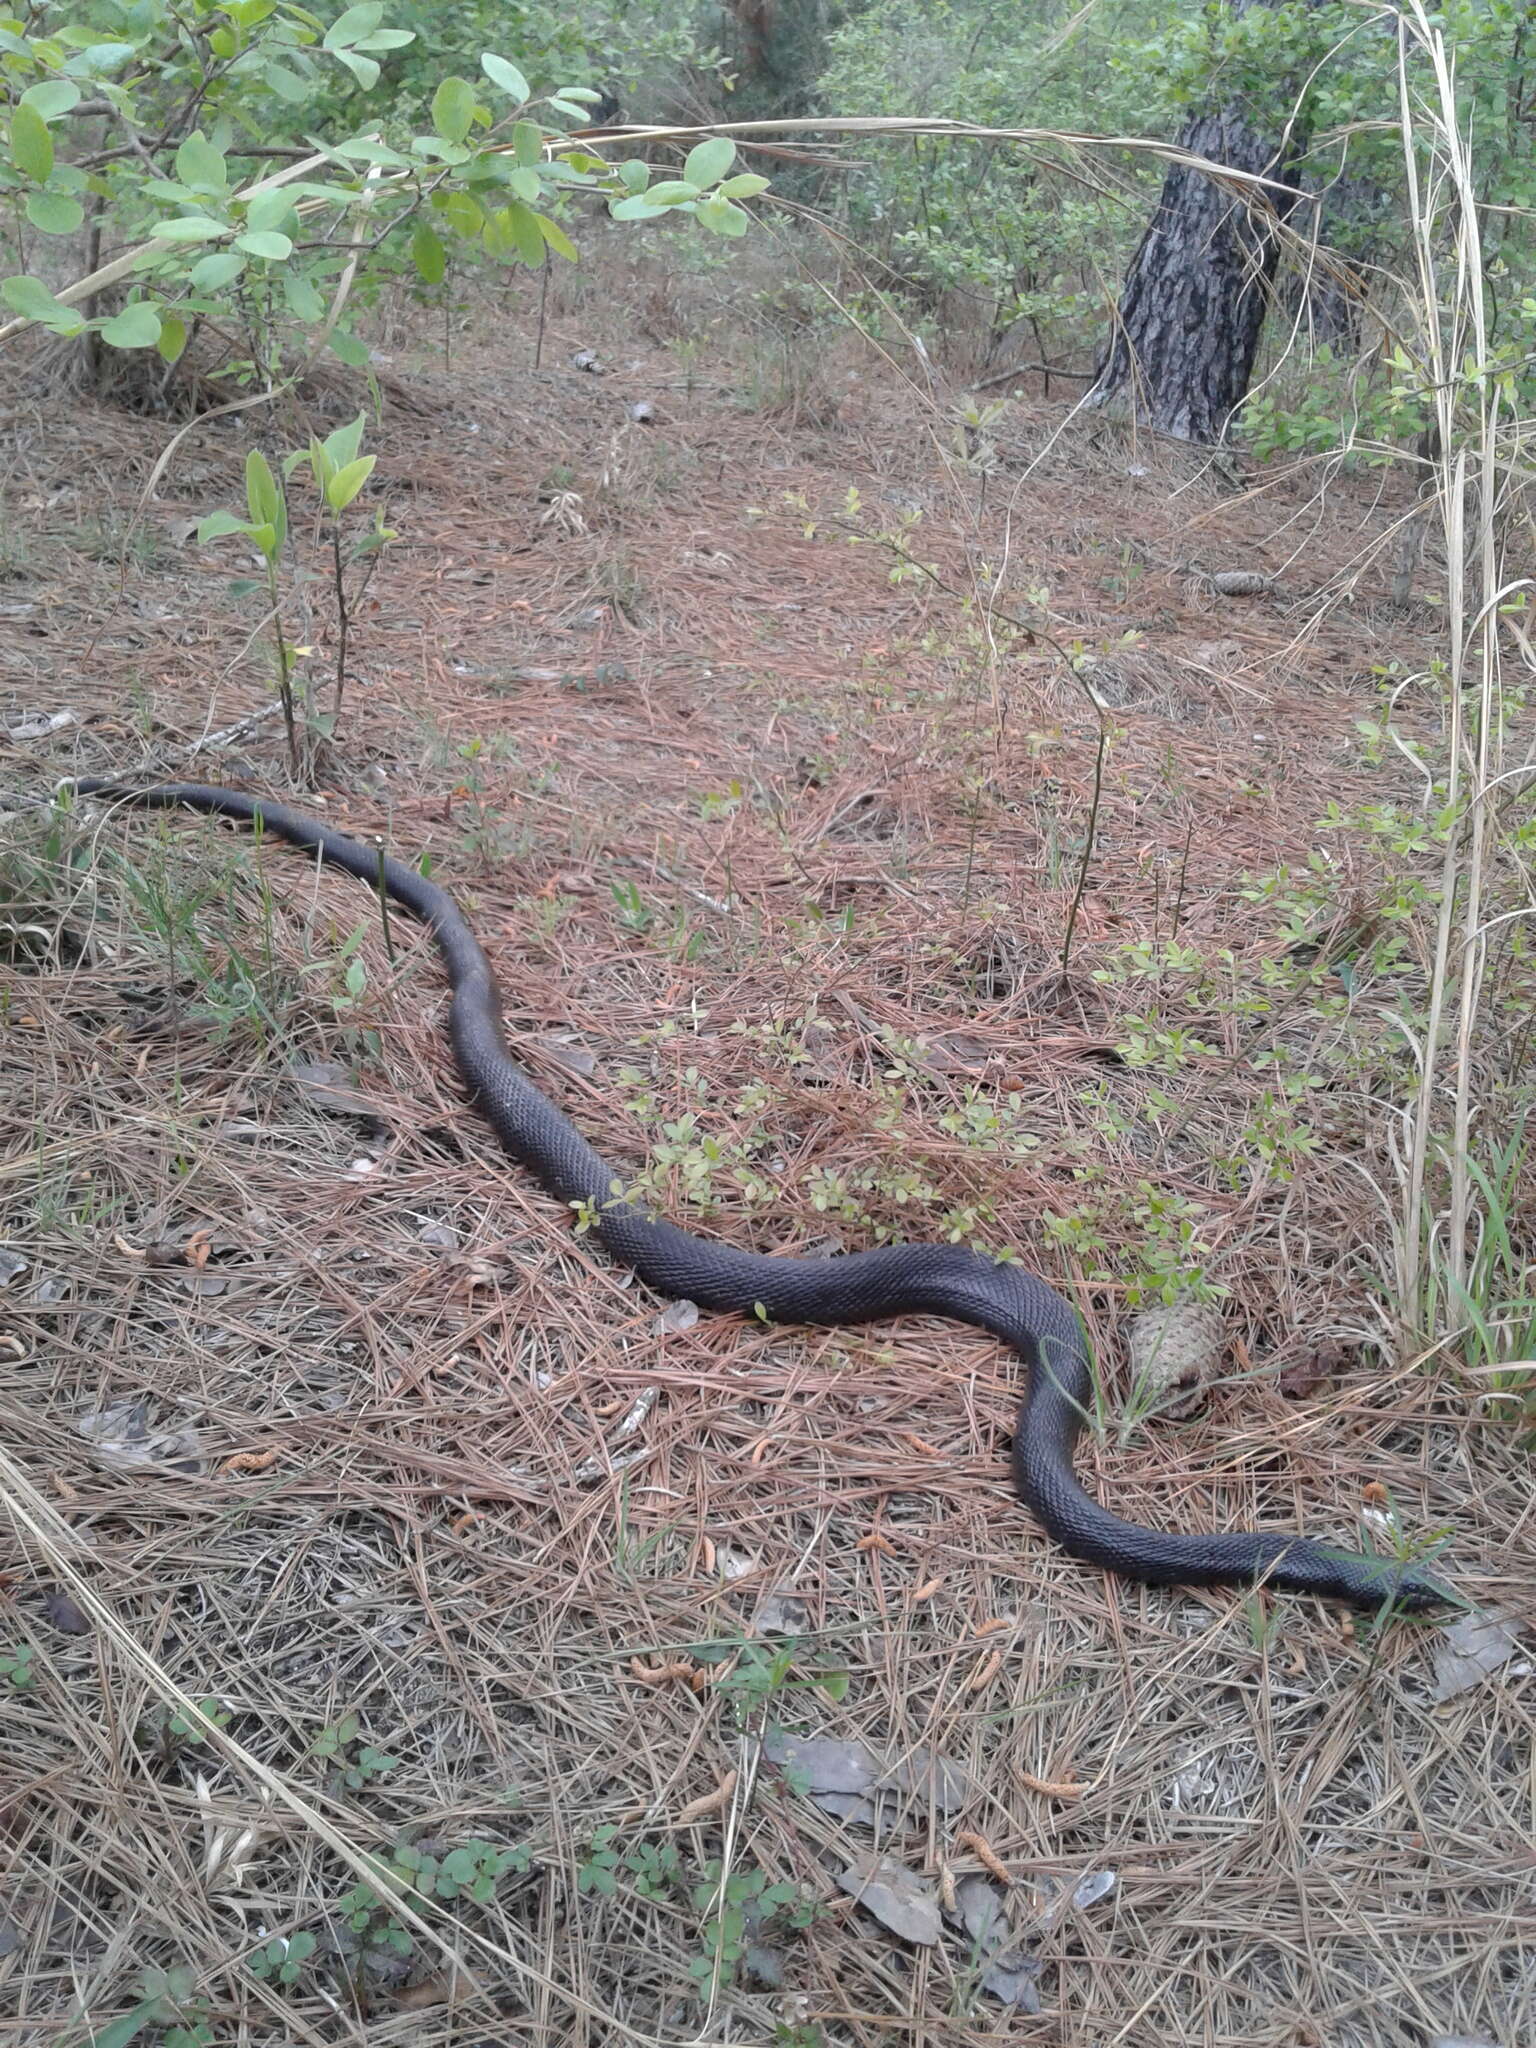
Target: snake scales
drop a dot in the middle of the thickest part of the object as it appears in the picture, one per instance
(889, 1280)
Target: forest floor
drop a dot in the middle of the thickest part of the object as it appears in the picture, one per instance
(755, 740)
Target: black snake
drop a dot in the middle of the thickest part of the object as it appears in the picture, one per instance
(889, 1280)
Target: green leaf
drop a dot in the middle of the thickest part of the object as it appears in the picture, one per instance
(52, 97)
(634, 174)
(31, 144)
(348, 349)
(745, 185)
(528, 144)
(31, 298)
(200, 165)
(722, 216)
(189, 227)
(137, 326)
(557, 238)
(121, 2031)
(507, 76)
(363, 69)
(288, 85)
(524, 184)
(54, 213)
(428, 253)
(304, 302)
(355, 23)
(453, 109)
(97, 59)
(342, 444)
(173, 336)
(463, 214)
(268, 210)
(637, 207)
(273, 247)
(339, 493)
(219, 524)
(517, 233)
(263, 495)
(708, 162)
(209, 273)
(672, 192)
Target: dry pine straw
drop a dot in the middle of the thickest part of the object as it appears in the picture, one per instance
(393, 1374)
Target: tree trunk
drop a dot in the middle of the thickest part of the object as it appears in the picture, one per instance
(1198, 288)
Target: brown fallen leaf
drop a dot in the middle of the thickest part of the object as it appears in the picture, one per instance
(451, 1989)
(985, 1854)
(712, 1802)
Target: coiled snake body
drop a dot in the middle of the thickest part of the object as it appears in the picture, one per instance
(889, 1280)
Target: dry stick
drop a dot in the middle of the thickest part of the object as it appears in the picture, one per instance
(538, 337)
(1088, 844)
(383, 894)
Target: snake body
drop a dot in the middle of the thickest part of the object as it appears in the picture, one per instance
(857, 1287)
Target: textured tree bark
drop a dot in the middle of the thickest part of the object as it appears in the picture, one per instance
(1198, 288)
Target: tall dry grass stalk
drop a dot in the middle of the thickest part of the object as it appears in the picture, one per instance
(1478, 440)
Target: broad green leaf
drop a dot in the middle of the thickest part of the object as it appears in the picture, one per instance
(672, 192)
(363, 150)
(189, 227)
(96, 60)
(513, 233)
(524, 184)
(304, 302)
(357, 21)
(583, 95)
(275, 248)
(567, 107)
(200, 165)
(507, 76)
(173, 336)
(119, 2032)
(249, 12)
(137, 326)
(265, 499)
(453, 109)
(428, 253)
(557, 238)
(209, 273)
(52, 97)
(528, 143)
(346, 483)
(634, 174)
(709, 161)
(363, 69)
(437, 150)
(348, 349)
(31, 144)
(341, 446)
(722, 216)
(31, 298)
(463, 214)
(637, 207)
(224, 43)
(269, 210)
(288, 85)
(54, 213)
(217, 525)
(745, 185)
(386, 39)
